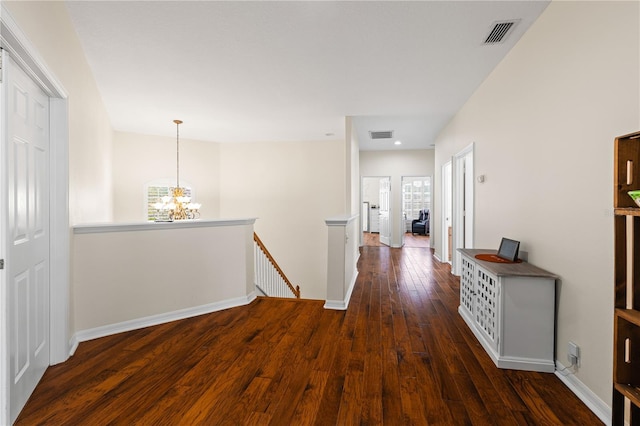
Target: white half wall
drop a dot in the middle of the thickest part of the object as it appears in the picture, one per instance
(342, 267)
(123, 273)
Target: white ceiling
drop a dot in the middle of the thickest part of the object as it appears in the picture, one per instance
(243, 71)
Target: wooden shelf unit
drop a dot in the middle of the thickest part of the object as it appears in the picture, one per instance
(626, 333)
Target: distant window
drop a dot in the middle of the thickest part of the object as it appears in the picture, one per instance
(154, 195)
(416, 194)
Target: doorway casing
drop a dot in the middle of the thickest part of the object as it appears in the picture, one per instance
(364, 181)
(17, 45)
(446, 212)
(463, 205)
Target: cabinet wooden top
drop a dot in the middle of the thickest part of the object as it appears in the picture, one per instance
(522, 269)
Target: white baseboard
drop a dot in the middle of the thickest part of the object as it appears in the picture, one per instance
(108, 330)
(342, 305)
(73, 345)
(586, 395)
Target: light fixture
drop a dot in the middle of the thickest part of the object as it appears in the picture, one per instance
(397, 143)
(178, 206)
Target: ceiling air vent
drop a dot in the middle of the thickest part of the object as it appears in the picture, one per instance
(499, 32)
(384, 134)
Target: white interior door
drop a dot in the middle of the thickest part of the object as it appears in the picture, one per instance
(27, 234)
(385, 205)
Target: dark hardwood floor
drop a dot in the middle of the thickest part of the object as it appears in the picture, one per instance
(400, 355)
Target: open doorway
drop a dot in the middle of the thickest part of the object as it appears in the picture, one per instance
(416, 211)
(376, 210)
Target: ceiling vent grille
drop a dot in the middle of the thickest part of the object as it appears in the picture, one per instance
(383, 134)
(499, 32)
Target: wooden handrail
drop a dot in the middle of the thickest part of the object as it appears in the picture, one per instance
(296, 290)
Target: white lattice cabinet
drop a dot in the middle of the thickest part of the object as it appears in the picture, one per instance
(511, 310)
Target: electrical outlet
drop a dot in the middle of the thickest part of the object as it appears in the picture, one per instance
(574, 353)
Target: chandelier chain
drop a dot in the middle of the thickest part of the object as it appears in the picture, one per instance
(178, 123)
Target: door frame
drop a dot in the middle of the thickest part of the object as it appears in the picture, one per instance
(463, 205)
(446, 209)
(362, 178)
(14, 43)
(402, 218)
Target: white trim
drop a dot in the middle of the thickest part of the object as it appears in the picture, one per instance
(136, 324)
(154, 226)
(458, 216)
(586, 395)
(24, 53)
(59, 232)
(447, 178)
(342, 305)
(4, 325)
(341, 220)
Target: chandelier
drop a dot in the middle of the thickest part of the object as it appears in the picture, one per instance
(178, 205)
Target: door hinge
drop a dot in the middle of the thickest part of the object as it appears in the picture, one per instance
(1, 263)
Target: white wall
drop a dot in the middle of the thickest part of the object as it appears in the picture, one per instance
(397, 164)
(291, 187)
(48, 27)
(543, 124)
(140, 159)
(353, 168)
(371, 190)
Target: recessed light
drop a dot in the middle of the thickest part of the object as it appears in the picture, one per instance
(328, 134)
(397, 143)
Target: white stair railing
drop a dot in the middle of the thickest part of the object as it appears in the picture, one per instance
(269, 278)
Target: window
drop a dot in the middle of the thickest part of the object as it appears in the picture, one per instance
(154, 193)
(416, 196)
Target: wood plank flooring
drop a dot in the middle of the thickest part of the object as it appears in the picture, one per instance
(400, 355)
(372, 239)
